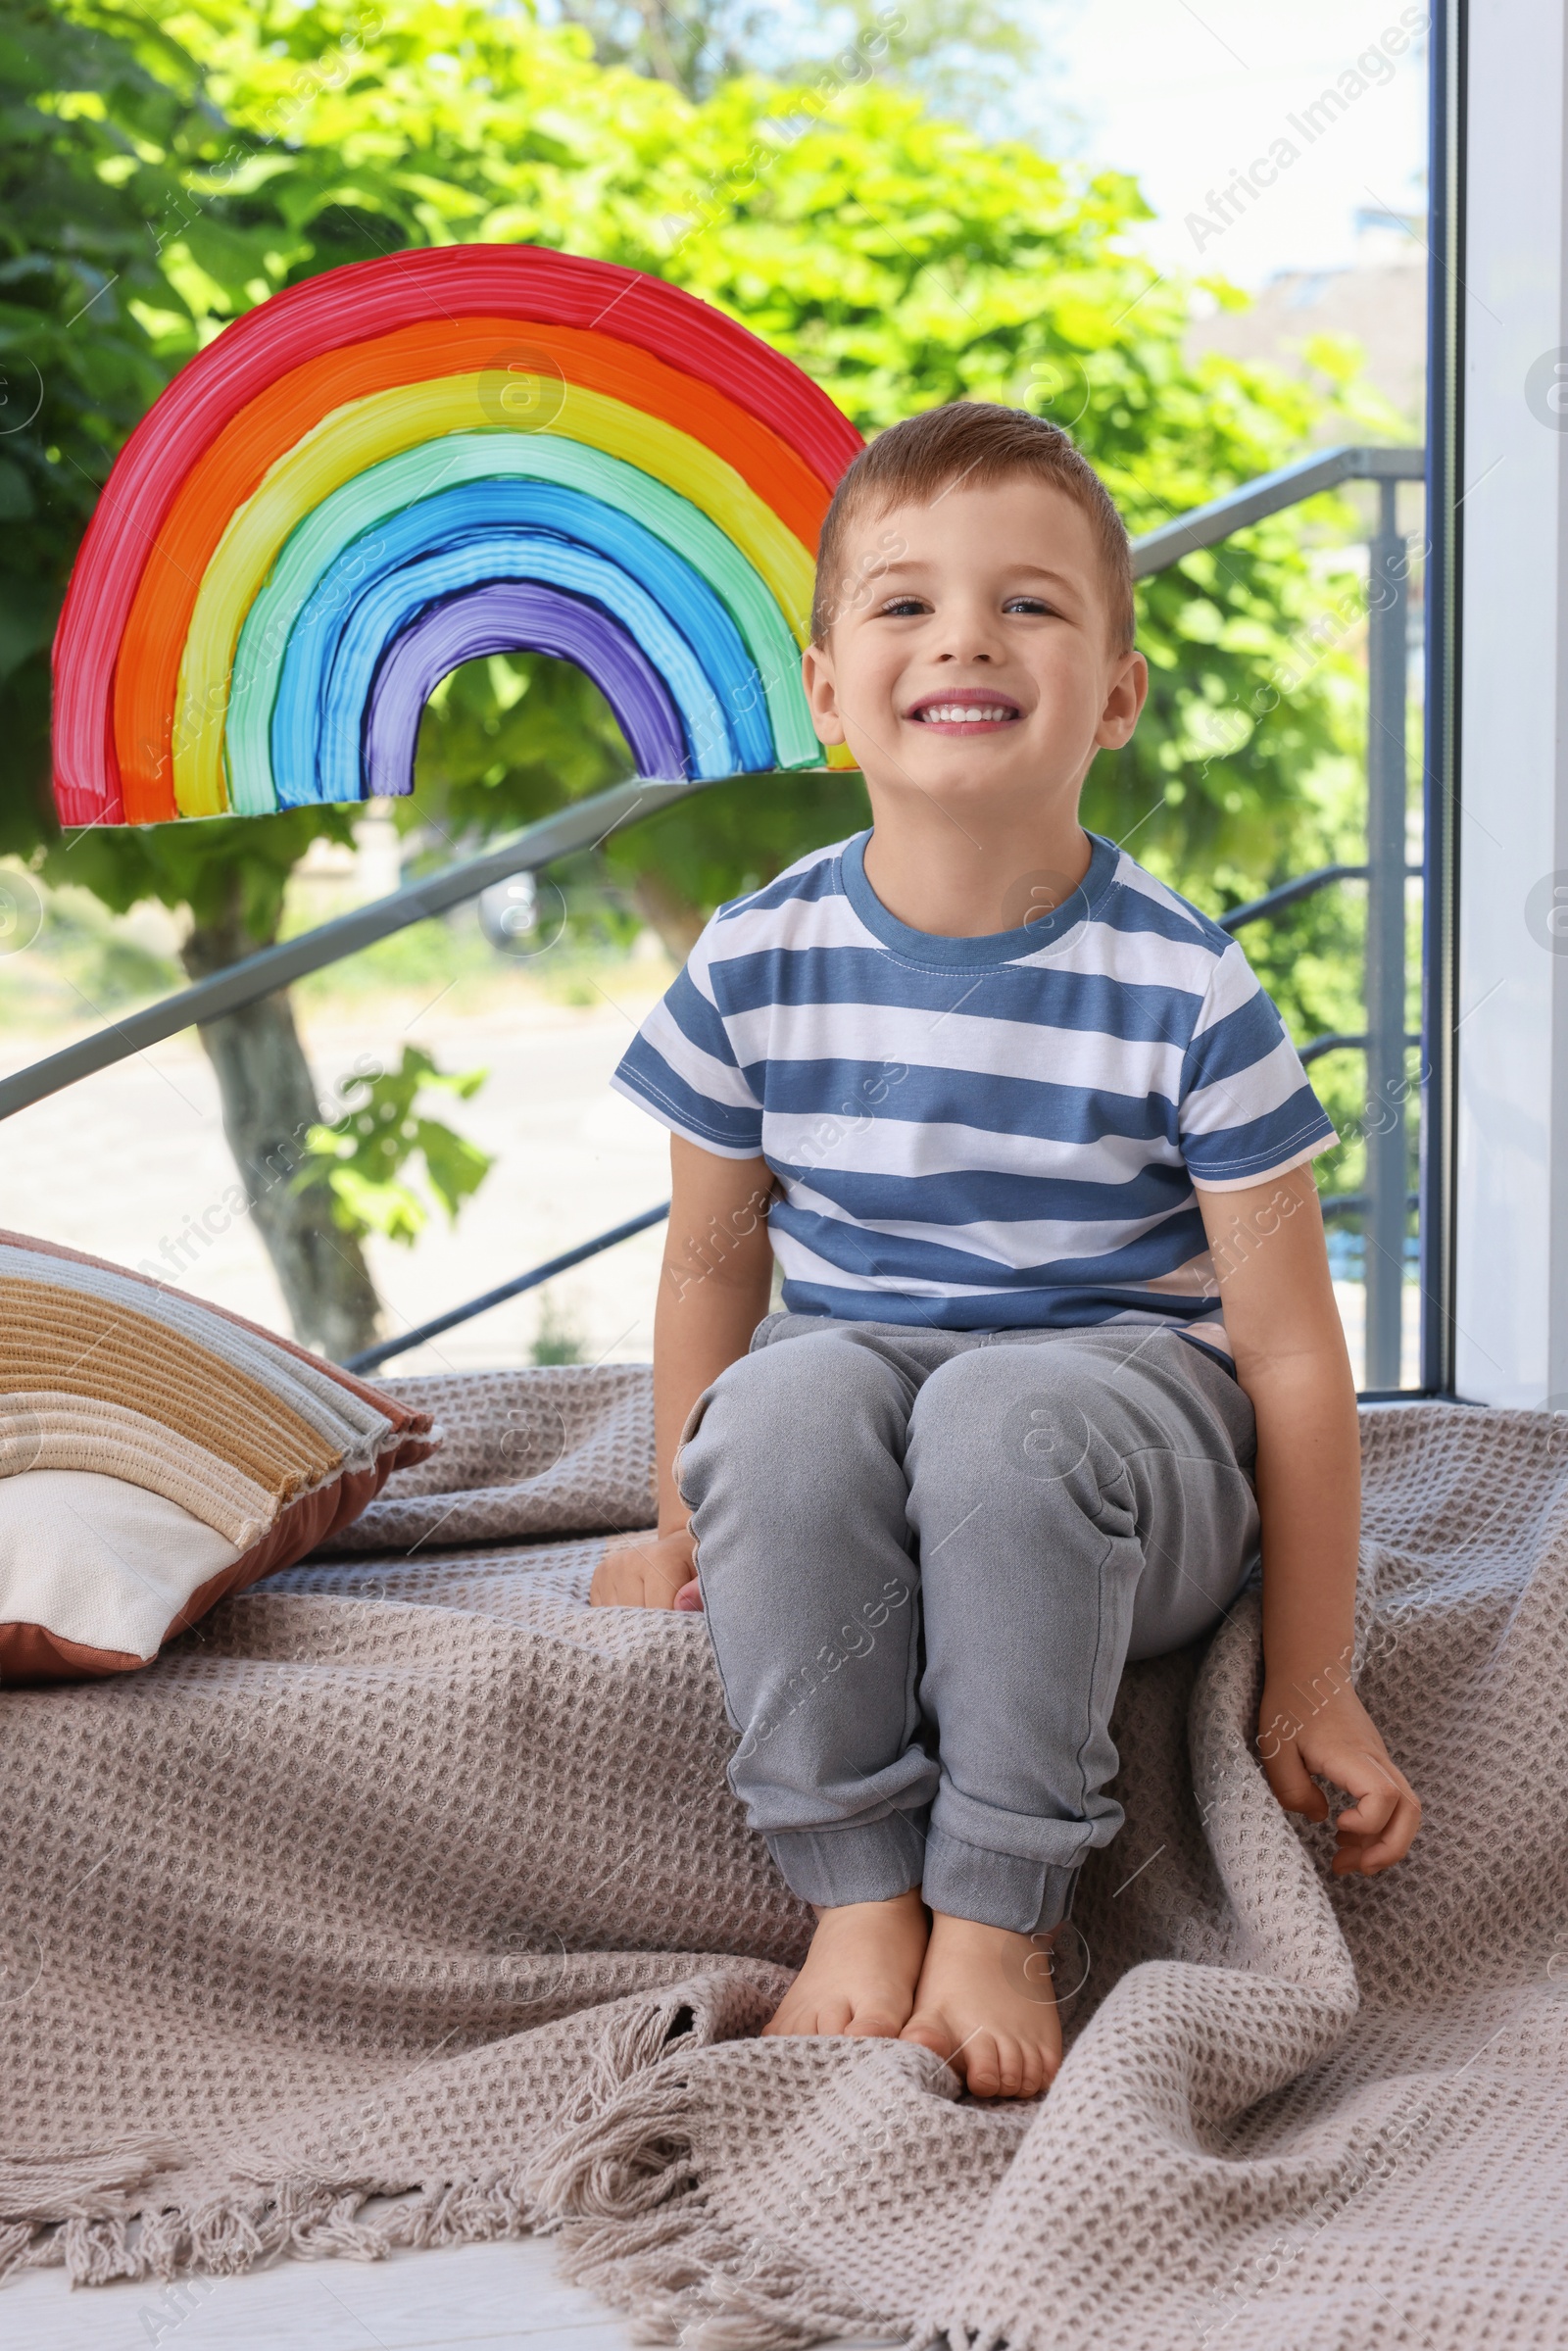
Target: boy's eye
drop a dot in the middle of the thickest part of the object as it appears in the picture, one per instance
(901, 607)
(1026, 603)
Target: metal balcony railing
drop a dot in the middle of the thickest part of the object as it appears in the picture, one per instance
(585, 823)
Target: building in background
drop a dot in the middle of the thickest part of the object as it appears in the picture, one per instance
(1378, 300)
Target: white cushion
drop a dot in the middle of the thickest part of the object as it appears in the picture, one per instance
(99, 1561)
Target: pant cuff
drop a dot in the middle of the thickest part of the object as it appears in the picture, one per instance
(996, 1889)
(866, 1861)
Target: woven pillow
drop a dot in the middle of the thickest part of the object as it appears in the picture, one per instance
(157, 1452)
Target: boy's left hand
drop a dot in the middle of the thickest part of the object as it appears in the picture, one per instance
(647, 1571)
(1339, 1741)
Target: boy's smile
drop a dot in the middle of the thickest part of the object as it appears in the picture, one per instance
(967, 715)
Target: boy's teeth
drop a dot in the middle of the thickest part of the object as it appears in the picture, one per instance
(963, 713)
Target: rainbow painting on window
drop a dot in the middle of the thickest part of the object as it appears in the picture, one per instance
(403, 465)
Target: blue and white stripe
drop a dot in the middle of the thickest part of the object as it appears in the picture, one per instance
(981, 1134)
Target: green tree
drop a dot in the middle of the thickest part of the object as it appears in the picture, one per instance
(101, 139)
(78, 194)
(946, 50)
(362, 1158)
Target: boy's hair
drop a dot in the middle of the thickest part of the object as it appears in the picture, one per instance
(978, 442)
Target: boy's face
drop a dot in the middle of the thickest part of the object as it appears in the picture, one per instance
(971, 658)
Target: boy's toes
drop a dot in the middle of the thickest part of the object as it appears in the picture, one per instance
(1019, 2068)
(977, 2008)
(994, 2065)
(873, 2024)
(990, 2064)
(859, 1973)
(928, 2031)
(1009, 2069)
(986, 2068)
(800, 2012)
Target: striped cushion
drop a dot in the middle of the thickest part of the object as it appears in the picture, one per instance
(255, 1449)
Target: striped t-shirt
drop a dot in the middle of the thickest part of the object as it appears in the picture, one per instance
(981, 1134)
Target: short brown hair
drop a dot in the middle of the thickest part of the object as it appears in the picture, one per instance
(974, 441)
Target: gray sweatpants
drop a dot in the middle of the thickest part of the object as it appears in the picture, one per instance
(925, 1557)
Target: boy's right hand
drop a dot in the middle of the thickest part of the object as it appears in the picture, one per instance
(647, 1571)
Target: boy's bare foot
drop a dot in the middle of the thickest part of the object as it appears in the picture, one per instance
(985, 2004)
(861, 1971)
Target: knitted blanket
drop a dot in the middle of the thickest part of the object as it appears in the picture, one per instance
(403, 1902)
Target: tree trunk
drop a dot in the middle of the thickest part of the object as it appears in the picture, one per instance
(679, 924)
(269, 1104)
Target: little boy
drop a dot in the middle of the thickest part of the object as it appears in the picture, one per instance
(1058, 1351)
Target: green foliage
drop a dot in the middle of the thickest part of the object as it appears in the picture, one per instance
(946, 49)
(738, 836)
(79, 963)
(557, 1340)
(197, 865)
(90, 152)
(507, 739)
(362, 1158)
(692, 48)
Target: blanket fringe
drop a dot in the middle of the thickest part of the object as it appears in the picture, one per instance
(683, 2277)
(627, 2159)
(75, 2210)
(623, 2151)
(618, 2182)
(637, 2231)
(461, 2211)
(307, 2219)
(621, 2187)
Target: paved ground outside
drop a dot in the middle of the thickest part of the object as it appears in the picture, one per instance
(131, 1163)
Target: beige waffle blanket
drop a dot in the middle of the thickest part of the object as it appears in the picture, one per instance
(404, 1903)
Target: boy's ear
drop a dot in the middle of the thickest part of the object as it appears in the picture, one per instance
(1129, 690)
(822, 692)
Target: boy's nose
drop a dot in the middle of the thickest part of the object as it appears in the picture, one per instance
(967, 660)
(969, 633)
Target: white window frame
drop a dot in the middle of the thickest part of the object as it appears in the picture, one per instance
(1497, 993)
